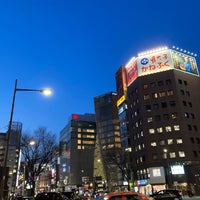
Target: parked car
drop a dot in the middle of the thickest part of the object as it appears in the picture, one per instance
(169, 194)
(50, 196)
(24, 198)
(126, 196)
(69, 195)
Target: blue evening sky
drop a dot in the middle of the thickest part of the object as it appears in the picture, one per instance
(76, 47)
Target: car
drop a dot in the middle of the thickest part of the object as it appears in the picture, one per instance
(50, 196)
(168, 194)
(24, 198)
(126, 196)
(69, 194)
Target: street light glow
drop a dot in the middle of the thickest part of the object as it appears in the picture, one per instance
(46, 91)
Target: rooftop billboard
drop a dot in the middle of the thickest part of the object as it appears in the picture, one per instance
(158, 61)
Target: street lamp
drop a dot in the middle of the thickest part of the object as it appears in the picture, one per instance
(4, 169)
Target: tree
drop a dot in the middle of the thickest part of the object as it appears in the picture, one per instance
(38, 150)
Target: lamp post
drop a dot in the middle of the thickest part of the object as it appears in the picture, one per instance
(4, 167)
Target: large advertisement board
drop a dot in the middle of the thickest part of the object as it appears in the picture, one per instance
(154, 62)
(184, 62)
(160, 61)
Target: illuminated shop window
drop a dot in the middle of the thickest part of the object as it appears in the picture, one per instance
(181, 154)
(179, 141)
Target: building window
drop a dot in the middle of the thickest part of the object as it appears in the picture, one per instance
(153, 144)
(186, 115)
(155, 95)
(149, 119)
(168, 82)
(162, 142)
(170, 141)
(168, 129)
(182, 92)
(195, 154)
(185, 82)
(155, 156)
(188, 93)
(192, 115)
(153, 84)
(151, 131)
(160, 130)
(170, 92)
(184, 103)
(192, 140)
(148, 108)
(160, 83)
(190, 104)
(156, 106)
(181, 154)
(172, 155)
(179, 81)
(166, 116)
(195, 128)
(179, 141)
(172, 103)
(189, 127)
(146, 96)
(162, 94)
(145, 86)
(164, 104)
(176, 127)
(174, 115)
(157, 118)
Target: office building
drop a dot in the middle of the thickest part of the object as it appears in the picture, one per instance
(163, 116)
(77, 144)
(108, 135)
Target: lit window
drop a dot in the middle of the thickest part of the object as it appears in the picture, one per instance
(162, 94)
(151, 131)
(174, 115)
(79, 147)
(155, 156)
(176, 127)
(146, 96)
(148, 108)
(79, 130)
(186, 115)
(79, 141)
(145, 86)
(153, 144)
(79, 135)
(172, 155)
(170, 141)
(160, 130)
(170, 92)
(179, 141)
(168, 128)
(149, 119)
(155, 95)
(181, 154)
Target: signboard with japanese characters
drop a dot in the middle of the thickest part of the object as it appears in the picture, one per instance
(154, 62)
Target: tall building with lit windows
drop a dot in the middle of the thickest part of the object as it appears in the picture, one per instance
(163, 117)
(77, 143)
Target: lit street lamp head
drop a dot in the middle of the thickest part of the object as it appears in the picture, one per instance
(46, 91)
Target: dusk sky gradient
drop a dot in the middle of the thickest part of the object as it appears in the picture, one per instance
(75, 47)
